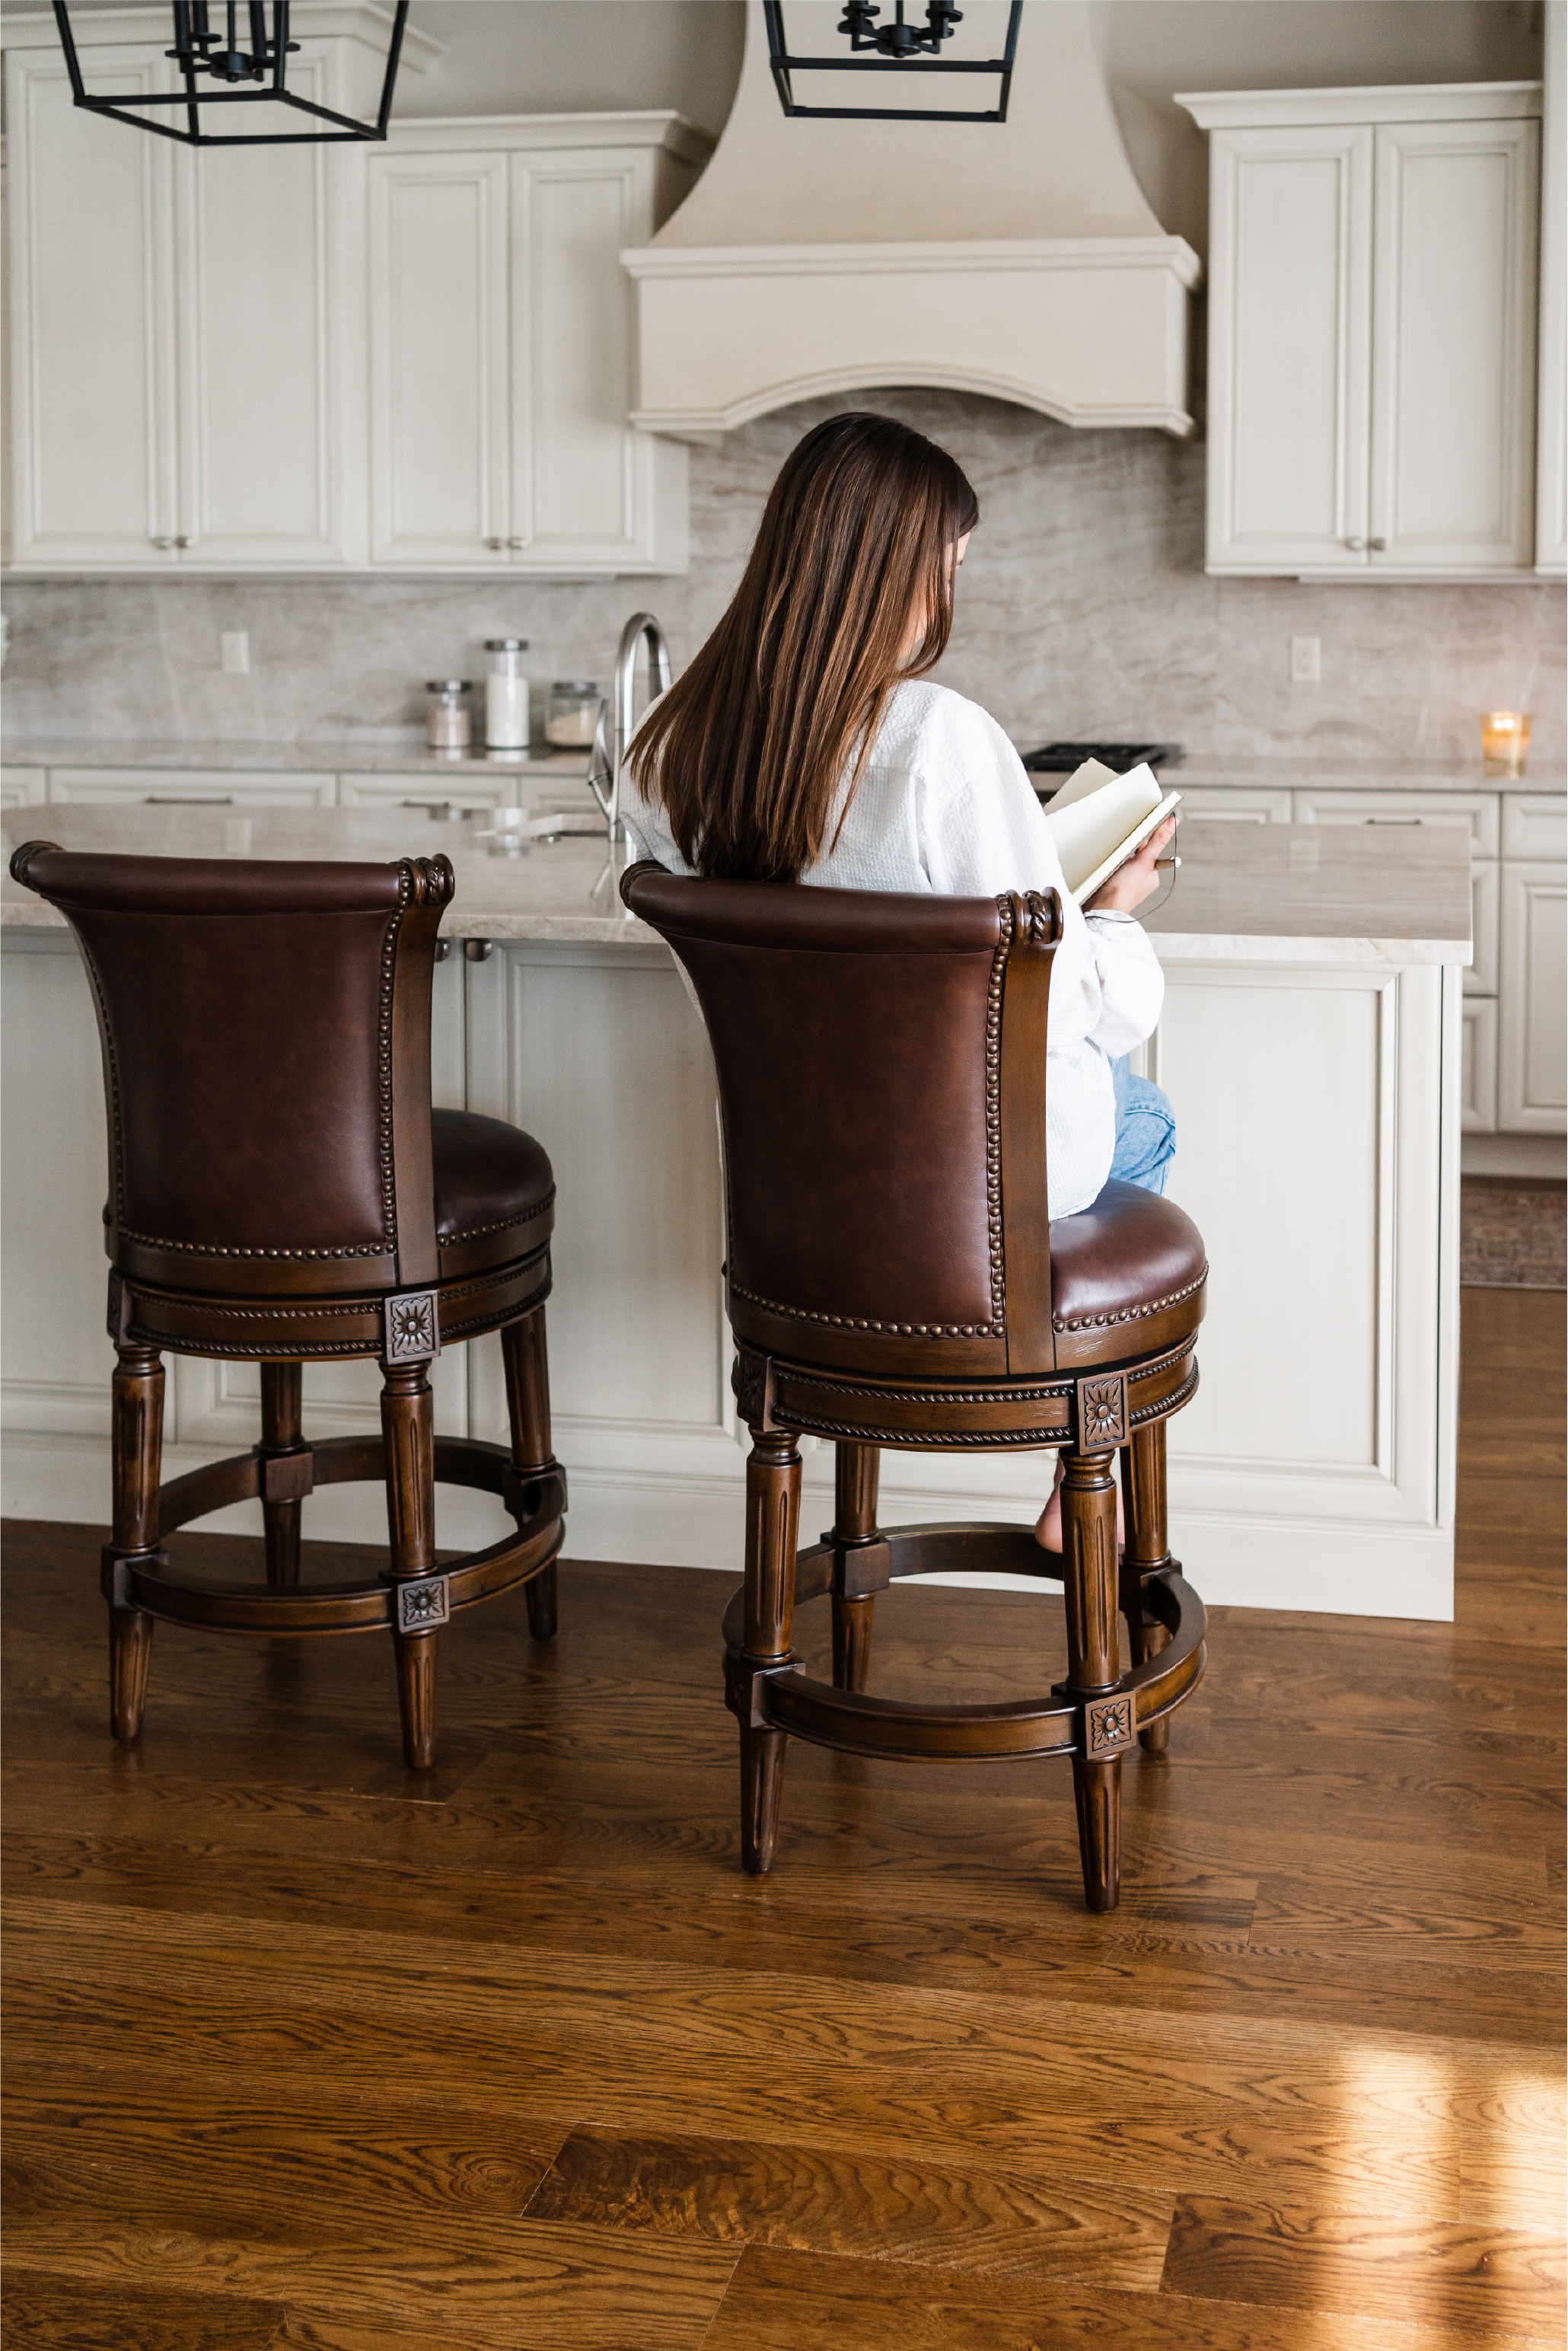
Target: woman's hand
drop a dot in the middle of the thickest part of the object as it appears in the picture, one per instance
(1132, 882)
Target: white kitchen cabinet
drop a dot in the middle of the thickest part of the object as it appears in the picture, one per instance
(501, 346)
(185, 329)
(1533, 1033)
(1242, 805)
(1478, 1066)
(23, 788)
(207, 787)
(1373, 299)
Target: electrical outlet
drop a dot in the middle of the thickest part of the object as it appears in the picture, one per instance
(1306, 660)
(234, 646)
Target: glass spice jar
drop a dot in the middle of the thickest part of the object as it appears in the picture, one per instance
(573, 712)
(505, 694)
(447, 724)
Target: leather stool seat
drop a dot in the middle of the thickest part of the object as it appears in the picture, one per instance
(492, 1182)
(1127, 1266)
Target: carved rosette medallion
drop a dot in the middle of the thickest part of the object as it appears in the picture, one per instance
(412, 1333)
(422, 1604)
(1102, 1411)
(1107, 1727)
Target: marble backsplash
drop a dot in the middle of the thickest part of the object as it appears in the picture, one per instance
(1083, 612)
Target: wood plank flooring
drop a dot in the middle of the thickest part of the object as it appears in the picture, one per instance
(302, 2050)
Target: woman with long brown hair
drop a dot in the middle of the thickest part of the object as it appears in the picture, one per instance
(806, 743)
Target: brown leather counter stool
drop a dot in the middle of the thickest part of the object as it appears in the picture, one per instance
(280, 1190)
(894, 1278)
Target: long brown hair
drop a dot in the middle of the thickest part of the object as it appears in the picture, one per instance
(748, 748)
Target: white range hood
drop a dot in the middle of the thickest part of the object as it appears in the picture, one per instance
(804, 260)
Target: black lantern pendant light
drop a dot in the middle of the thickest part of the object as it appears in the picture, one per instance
(228, 67)
(913, 50)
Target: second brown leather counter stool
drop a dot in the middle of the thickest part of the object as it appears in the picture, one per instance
(893, 1278)
(280, 1190)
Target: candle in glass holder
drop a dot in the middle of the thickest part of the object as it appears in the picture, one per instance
(1505, 740)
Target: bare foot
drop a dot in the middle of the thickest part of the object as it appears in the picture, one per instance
(1048, 1526)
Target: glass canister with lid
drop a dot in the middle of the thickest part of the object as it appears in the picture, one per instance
(447, 725)
(573, 712)
(505, 694)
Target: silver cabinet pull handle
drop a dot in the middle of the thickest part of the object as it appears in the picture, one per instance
(164, 543)
(496, 543)
(184, 542)
(1377, 545)
(476, 950)
(517, 542)
(1356, 545)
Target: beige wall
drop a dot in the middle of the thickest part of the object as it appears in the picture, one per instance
(550, 56)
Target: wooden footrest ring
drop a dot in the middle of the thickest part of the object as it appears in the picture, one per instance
(537, 1500)
(1098, 1725)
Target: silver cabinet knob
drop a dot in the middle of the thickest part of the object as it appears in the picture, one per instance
(1377, 545)
(497, 544)
(476, 950)
(184, 542)
(1356, 545)
(165, 543)
(517, 542)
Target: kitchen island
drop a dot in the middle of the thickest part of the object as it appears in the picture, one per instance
(1311, 1042)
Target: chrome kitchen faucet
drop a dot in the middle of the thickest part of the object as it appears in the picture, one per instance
(617, 720)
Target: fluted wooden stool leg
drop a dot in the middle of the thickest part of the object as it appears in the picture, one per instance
(772, 1532)
(856, 1473)
(137, 1414)
(1147, 1547)
(1089, 1549)
(281, 1432)
(409, 1437)
(527, 1364)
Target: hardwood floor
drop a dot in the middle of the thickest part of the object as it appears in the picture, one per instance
(304, 2050)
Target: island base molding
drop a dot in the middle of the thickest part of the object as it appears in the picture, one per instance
(680, 1519)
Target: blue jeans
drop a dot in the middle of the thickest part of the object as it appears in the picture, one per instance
(1146, 1129)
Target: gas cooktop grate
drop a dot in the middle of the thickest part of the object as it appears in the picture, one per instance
(1061, 759)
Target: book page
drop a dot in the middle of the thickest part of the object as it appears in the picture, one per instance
(1134, 840)
(1093, 826)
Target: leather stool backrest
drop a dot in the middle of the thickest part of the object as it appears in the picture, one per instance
(881, 1063)
(265, 1031)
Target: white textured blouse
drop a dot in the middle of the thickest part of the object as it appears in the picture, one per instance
(944, 805)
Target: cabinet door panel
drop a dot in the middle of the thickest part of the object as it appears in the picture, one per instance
(91, 325)
(259, 300)
(1288, 349)
(1533, 1051)
(1478, 1066)
(573, 450)
(439, 369)
(1454, 344)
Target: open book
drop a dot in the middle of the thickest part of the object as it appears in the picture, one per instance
(1100, 820)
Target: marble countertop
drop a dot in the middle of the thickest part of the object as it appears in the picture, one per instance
(1244, 894)
(1355, 776)
(409, 755)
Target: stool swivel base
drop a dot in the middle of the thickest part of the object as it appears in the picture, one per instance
(413, 1598)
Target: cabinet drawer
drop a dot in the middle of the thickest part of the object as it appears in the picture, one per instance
(1476, 810)
(1244, 805)
(1478, 1066)
(211, 787)
(1534, 824)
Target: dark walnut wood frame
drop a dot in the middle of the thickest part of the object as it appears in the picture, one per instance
(1033, 1375)
(284, 1308)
